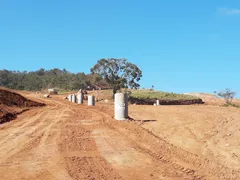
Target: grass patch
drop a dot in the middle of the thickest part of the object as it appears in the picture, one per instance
(147, 94)
(231, 105)
(62, 92)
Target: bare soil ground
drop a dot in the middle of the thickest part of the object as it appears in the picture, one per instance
(12, 104)
(211, 99)
(69, 141)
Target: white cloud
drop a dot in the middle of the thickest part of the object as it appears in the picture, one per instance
(229, 11)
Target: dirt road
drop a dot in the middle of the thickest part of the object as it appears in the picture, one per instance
(67, 141)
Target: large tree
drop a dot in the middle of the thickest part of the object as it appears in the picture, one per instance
(118, 73)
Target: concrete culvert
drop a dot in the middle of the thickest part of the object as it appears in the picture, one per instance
(80, 98)
(70, 97)
(46, 96)
(74, 98)
(121, 106)
(52, 91)
(91, 101)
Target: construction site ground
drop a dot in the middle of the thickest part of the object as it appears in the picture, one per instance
(64, 141)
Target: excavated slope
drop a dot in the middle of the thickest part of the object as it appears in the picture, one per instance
(12, 103)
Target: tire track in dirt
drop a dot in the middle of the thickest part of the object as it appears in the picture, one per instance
(18, 127)
(171, 169)
(70, 141)
(199, 165)
(31, 148)
(191, 164)
(20, 137)
(80, 150)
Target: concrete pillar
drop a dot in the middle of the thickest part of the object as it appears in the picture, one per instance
(80, 98)
(157, 103)
(70, 97)
(91, 100)
(121, 106)
(74, 98)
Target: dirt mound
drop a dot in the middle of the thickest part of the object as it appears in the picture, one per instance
(208, 98)
(12, 103)
(133, 100)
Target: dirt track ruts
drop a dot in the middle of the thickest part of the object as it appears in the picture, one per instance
(69, 141)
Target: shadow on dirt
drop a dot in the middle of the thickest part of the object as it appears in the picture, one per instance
(148, 120)
(138, 101)
(143, 121)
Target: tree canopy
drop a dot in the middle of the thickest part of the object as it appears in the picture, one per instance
(118, 73)
(107, 73)
(42, 79)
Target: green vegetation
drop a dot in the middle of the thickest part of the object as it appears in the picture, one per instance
(63, 91)
(231, 105)
(43, 79)
(148, 94)
(118, 73)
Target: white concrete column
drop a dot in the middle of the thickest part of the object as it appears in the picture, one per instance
(70, 97)
(157, 102)
(80, 98)
(74, 98)
(91, 100)
(121, 106)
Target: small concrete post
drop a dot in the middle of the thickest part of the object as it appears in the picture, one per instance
(121, 106)
(91, 100)
(80, 98)
(74, 98)
(157, 102)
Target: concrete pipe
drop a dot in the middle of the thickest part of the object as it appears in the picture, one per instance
(70, 97)
(121, 106)
(91, 101)
(74, 98)
(80, 98)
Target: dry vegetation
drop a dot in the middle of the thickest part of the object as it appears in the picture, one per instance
(148, 94)
(145, 94)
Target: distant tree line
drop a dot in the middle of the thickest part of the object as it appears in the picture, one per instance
(107, 73)
(43, 79)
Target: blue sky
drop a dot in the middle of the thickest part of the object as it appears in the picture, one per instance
(181, 46)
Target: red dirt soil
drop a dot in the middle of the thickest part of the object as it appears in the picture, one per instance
(12, 103)
(68, 141)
